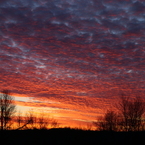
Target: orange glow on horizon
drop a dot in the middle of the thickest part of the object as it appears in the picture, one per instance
(69, 109)
(64, 116)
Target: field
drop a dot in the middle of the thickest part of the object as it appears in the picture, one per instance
(70, 137)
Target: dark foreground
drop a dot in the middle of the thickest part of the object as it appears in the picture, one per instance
(70, 137)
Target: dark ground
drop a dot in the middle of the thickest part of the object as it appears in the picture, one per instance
(70, 137)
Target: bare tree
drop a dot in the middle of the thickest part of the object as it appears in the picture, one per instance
(33, 121)
(53, 123)
(43, 122)
(89, 126)
(28, 121)
(19, 120)
(7, 109)
(132, 111)
(108, 122)
(38, 122)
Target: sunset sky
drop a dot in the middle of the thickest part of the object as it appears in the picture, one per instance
(72, 58)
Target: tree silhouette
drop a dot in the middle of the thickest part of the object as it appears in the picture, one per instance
(108, 122)
(28, 121)
(19, 119)
(31, 121)
(128, 118)
(42, 121)
(7, 109)
(132, 112)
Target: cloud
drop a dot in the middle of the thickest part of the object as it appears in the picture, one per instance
(72, 52)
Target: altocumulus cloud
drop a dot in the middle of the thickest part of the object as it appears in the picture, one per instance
(79, 54)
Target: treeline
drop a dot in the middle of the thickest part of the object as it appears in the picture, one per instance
(11, 119)
(129, 115)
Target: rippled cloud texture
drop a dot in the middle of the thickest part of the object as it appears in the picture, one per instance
(72, 57)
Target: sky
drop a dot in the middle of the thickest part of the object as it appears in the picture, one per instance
(72, 58)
